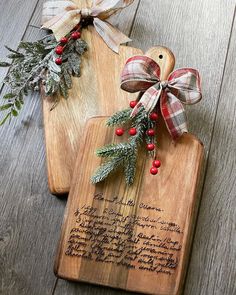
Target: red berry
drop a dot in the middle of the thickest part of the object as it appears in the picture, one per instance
(156, 163)
(58, 61)
(75, 35)
(120, 131)
(151, 132)
(153, 116)
(133, 131)
(59, 50)
(64, 40)
(154, 171)
(133, 104)
(151, 147)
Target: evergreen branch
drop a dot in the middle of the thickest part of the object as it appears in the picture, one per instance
(120, 117)
(124, 154)
(105, 169)
(33, 65)
(113, 149)
(130, 168)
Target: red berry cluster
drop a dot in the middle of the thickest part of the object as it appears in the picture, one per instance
(75, 35)
(121, 131)
(150, 132)
(155, 165)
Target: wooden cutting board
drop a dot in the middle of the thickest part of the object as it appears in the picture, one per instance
(138, 237)
(96, 92)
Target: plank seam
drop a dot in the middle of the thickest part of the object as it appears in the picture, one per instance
(55, 286)
(134, 18)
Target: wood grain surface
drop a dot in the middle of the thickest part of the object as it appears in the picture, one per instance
(173, 194)
(96, 92)
(199, 33)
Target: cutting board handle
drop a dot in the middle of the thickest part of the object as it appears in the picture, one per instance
(165, 59)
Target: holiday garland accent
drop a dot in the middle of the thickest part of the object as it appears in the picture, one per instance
(142, 130)
(49, 63)
(45, 62)
(142, 73)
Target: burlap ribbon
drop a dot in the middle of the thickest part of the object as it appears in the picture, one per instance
(142, 73)
(61, 16)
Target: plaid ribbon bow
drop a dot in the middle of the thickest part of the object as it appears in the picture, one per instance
(61, 16)
(141, 73)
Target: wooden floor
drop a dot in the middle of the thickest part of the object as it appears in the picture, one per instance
(202, 34)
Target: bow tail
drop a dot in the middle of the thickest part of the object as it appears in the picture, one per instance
(112, 36)
(174, 115)
(148, 100)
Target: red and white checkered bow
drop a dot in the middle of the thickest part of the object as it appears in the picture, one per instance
(141, 73)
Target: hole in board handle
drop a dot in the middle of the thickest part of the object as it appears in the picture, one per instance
(161, 56)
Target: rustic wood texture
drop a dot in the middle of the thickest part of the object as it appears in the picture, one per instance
(30, 217)
(96, 92)
(199, 33)
(11, 32)
(211, 271)
(165, 192)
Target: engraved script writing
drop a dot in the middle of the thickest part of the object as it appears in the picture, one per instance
(108, 232)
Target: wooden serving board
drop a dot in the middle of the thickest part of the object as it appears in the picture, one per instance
(138, 237)
(96, 92)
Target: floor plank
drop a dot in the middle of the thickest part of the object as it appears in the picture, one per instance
(13, 13)
(30, 217)
(213, 264)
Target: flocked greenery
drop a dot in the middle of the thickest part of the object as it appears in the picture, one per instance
(33, 65)
(124, 155)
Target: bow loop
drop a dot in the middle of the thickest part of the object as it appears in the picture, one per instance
(139, 74)
(142, 73)
(62, 16)
(186, 83)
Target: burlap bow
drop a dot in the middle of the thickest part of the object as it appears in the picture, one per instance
(142, 73)
(62, 16)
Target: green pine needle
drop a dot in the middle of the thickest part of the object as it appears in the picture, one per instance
(105, 169)
(124, 154)
(119, 118)
(33, 64)
(113, 149)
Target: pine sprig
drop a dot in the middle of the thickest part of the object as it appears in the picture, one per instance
(33, 65)
(112, 149)
(119, 118)
(124, 154)
(105, 169)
